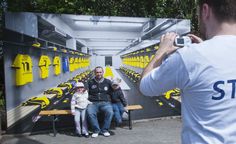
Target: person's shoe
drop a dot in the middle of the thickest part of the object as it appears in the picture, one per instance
(125, 116)
(86, 135)
(78, 135)
(94, 135)
(106, 134)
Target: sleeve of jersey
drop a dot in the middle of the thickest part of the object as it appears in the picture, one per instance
(170, 74)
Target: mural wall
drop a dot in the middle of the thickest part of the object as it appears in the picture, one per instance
(35, 76)
(40, 70)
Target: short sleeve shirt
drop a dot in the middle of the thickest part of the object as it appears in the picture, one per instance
(206, 75)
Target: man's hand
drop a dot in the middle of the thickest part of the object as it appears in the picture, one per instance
(166, 47)
(167, 43)
(194, 38)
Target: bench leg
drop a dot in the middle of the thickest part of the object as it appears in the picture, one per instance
(54, 125)
(130, 120)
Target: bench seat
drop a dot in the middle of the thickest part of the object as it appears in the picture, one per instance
(56, 112)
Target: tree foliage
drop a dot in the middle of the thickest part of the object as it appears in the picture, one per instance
(134, 8)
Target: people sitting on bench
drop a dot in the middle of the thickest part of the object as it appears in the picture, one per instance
(118, 100)
(99, 94)
(79, 103)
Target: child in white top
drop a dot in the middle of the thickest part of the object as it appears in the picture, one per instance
(79, 104)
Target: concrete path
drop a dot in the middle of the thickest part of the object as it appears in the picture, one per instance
(159, 131)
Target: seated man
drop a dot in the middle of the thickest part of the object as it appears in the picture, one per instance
(99, 94)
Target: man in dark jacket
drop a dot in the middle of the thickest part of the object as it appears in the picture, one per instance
(100, 96)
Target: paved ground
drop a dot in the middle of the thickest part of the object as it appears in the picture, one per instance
(158, 131)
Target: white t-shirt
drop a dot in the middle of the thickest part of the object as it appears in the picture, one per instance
(206, 75)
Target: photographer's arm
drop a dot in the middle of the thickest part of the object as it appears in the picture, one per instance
(166, 47)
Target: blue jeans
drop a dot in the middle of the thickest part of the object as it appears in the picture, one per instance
(92, 111)
(118, 109)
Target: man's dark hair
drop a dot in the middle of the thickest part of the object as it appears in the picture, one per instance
(224, 10)
(97, 68)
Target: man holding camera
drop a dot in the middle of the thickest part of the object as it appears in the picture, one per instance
(205, 72)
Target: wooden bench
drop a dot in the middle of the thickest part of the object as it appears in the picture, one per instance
(131, 108)
(56, 113)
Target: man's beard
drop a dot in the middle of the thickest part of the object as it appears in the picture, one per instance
(98, 77)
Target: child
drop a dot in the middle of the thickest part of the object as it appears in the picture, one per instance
(79, 104)
(118, 101)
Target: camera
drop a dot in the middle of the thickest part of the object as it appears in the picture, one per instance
(182, 41)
